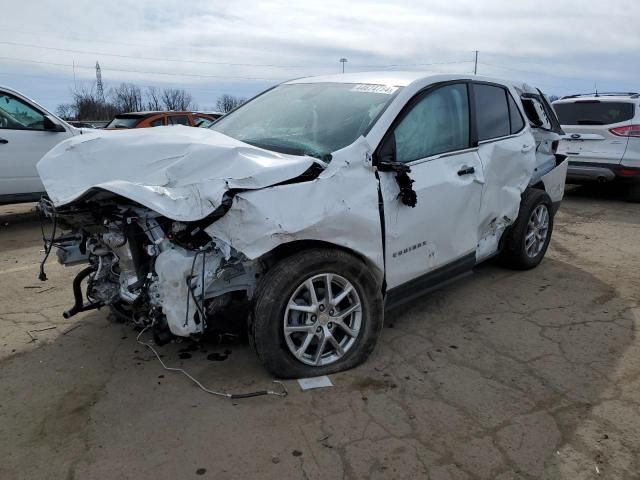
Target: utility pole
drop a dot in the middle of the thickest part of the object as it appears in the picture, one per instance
(343, 61)
(475, 65)
(99, 86)
(75, 85)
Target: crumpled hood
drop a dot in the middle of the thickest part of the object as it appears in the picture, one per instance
(180, 172)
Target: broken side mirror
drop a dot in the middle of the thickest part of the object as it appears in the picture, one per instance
(386, 162)
(51, 125)
(387, 153)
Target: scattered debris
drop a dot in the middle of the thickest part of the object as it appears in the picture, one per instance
(45, 290)
(315, 382)
(282, 393)
(201, 471)
(296, 453)
(71, 328)
(33, 339)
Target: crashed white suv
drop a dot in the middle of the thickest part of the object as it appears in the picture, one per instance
(320, 202)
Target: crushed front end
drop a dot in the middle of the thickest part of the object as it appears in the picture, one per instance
(151, 270)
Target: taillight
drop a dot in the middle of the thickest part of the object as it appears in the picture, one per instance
(627, 131)
(554, 146)
(628, 172)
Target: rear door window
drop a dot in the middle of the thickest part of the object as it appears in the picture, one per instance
(593, 112)
(492, 111)
(158, 122)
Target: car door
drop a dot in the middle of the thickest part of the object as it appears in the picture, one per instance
(507, 151)
(545, 129)
(431, 136)
(23, 141)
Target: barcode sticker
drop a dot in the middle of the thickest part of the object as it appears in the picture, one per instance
(368, 88)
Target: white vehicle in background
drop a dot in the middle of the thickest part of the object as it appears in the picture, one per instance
(602, 139)
(319, 203)
(27, 132)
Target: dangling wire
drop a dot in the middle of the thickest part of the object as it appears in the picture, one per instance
(48, 244)
(258, 393)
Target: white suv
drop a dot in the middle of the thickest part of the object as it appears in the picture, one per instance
(602, 138)
(27, 132)
(319, 203)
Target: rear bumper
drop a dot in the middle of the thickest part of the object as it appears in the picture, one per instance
(587, 172)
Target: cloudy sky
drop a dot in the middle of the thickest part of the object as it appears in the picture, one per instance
(242, 47)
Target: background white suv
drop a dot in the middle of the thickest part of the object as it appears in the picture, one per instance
(27, 132)
(602, 138)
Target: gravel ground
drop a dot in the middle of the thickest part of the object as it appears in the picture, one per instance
(504, 375)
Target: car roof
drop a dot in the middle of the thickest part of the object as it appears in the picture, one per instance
(631, 97)
(405, 78)
(149, 113)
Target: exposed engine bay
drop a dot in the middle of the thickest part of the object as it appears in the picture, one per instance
(159, 273)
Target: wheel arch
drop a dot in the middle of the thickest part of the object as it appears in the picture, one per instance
(288, 249)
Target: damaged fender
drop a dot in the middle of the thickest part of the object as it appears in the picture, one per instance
(554, 181)
(345, 194)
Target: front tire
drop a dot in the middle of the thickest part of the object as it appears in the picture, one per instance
(317, 312)
(529, 237)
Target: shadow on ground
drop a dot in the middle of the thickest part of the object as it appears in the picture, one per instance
(504, 375)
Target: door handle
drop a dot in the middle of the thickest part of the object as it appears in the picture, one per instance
(4, 140)
(526, 148)
(466, 171)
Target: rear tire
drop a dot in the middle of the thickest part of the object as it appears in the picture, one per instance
(287, 340)
(528, 239)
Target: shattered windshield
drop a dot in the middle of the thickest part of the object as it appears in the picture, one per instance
(308, 118)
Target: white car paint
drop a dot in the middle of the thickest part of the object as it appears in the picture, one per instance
(21, 149)
(596, 153)
(180, 172)
(185, 174)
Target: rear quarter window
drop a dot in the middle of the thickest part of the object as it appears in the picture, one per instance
(593, 112)
(517, 122)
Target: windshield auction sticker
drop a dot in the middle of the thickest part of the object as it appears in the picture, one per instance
(364, 88)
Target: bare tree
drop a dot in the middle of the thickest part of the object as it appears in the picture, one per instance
(226, 103)
(176, 99)
(127, 97)
(89, 105)
(67, 111)
(154, 100)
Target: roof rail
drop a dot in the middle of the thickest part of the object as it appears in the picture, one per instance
(604, 94)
